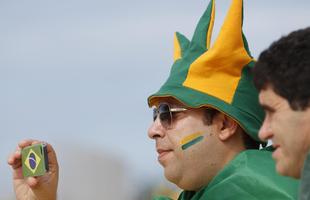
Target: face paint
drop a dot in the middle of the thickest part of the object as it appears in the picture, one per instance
(190, 140)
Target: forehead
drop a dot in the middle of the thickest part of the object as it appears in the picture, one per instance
(267, 97)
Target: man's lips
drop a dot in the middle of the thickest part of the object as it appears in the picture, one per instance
(162, 153)
(275, 146)
(276, 151)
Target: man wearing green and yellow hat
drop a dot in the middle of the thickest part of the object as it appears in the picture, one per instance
(207, 117)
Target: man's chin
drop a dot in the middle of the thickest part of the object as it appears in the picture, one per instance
(286, 170)
(170, 177)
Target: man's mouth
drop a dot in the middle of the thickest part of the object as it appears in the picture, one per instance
(162, 153)
(275, 146)
(276, 151)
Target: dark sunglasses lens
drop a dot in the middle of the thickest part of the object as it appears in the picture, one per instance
(165, 115)
(165, 119)
(155, 113)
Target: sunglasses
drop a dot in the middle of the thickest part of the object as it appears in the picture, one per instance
(165, 113)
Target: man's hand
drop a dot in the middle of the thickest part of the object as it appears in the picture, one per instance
(34, 188)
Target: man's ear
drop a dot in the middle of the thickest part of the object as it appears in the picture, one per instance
(228, 127)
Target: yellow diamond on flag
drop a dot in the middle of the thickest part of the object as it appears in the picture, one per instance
(32, 161)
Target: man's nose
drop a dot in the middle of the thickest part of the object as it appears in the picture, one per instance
(156, 130)
(265, 131)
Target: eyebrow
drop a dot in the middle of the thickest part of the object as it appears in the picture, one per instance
(267, 108)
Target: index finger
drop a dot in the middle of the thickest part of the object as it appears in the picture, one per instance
(24, 143)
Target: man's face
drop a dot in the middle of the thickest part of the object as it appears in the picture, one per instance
(289, 131)
(186, 149)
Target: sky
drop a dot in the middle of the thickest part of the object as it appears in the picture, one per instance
(77, 73)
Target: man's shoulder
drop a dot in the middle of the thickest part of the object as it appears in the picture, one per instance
(251, 174)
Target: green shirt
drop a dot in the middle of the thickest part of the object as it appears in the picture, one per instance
(304, 191)
(250, 175)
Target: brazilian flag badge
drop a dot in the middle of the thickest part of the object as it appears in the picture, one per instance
(34, 160)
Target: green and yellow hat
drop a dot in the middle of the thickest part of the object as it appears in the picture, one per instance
(217, 76)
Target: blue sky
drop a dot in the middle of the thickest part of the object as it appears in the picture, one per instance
(80, 71)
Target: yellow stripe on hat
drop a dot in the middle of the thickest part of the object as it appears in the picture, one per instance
(217, 72)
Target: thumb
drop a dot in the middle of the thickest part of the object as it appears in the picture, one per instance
(32, 182)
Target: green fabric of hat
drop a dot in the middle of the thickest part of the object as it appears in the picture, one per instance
(217, 76)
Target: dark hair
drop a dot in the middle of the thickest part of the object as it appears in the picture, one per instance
(248, 142)
(285, 67)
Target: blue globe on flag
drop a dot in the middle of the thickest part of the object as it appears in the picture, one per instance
(32, 160)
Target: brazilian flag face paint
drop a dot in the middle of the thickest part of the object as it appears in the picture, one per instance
(218, 75)
(191, 140)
